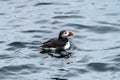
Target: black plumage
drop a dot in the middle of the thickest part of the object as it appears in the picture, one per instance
(57, 43)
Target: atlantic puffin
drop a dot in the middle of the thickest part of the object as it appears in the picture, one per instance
(58, 44)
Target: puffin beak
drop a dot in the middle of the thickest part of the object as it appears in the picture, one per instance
(70, 33)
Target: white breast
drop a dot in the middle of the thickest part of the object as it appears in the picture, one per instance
(67, 46)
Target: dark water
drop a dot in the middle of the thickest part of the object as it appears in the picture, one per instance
(25, 24)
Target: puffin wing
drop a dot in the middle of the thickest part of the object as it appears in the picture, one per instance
(55, 43)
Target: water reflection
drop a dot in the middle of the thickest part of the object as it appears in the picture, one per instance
(57, 54)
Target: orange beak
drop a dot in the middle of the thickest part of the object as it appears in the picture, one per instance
(70, 33)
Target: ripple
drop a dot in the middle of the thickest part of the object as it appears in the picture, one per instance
(35, 48)
(102, 67)
(78, 36)
(58, 79)
(111, 48)
(84, 59)
(49, 3)
(58, 12)
(116, 58)
(112, 14)
(33, 43)
(11, 48)
(21, 6)
(36, 31)
(86, 50)
(103, 22)
(98, 66)
(79, 70)
(104, 29)
(68, 12)
(37, 36)
(5, 0)
(67, 17)
(17, 25)
(1, 14)
(96, 39)
(2, 41)
(73, 12)
(78, 26)
(70, 74)
(56, 22)
(102, 8)
(44, 3)
(41, 21)
(96, 29)
(16, 68)
(18, 44)
(20, 69)
(5, 56)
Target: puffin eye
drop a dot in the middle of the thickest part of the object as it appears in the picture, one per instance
(65, 32)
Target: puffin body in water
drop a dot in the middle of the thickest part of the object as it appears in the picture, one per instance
(57, 44)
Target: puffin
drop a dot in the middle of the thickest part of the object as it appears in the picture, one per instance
(58, 44)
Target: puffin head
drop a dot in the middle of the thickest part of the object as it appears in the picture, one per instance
(65, 34)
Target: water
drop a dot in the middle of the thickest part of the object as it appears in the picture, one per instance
(25, 24)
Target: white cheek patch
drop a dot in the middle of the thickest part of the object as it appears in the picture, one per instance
(65, 34)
